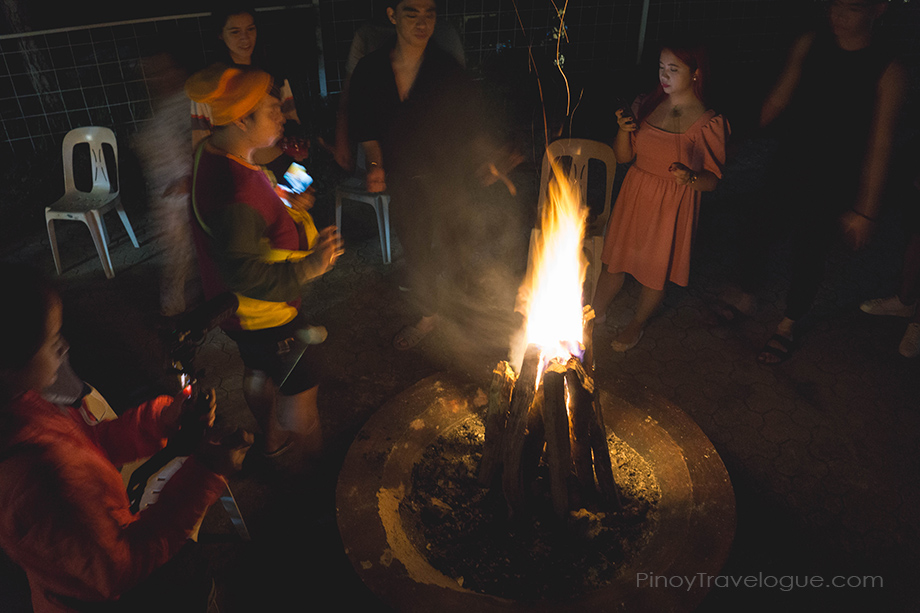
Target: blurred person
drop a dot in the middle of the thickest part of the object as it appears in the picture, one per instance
(678, 145)
(65, 517)
(904, 302)
(418, 117)
(236, 26)
(160, 145)
(836, 106)
(249, 242)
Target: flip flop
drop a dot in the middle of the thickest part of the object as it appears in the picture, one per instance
(280, 451)
(786, 347)
(621, 347)
(409, 337)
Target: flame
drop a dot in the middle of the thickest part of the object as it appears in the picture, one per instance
(557, 273)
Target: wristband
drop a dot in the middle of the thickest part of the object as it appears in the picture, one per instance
(693, 178)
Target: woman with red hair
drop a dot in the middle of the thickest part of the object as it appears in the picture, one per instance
(677, 145)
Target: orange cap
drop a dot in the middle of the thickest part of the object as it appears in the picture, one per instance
(231, 93)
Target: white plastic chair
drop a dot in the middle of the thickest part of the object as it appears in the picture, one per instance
(581, 152)
(89, 207)
(353, 189)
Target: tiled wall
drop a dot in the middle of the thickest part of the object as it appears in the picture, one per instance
(53, 81)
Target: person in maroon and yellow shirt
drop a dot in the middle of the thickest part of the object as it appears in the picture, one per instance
(250, 243)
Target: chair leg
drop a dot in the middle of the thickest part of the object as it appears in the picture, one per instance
(338, 212)
(381, 227)
(52, 238)
(233, 510)
(97, 230)
(385, 205)
(126, 223)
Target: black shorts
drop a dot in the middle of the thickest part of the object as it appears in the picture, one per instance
(275, 350)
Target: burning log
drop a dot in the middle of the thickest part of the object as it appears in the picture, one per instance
(556, 424)
(563, 416)
(581, 404)
(591, 456)
(503, 378)
(513, 443)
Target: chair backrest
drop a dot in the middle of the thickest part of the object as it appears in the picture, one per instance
(581, 151)
(95, 137)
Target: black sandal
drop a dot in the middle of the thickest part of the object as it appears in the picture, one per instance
(786, 347)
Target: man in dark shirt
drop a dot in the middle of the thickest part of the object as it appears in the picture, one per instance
(836, 103)
(414, 111)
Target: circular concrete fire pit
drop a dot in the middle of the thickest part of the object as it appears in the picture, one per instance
(695, 513)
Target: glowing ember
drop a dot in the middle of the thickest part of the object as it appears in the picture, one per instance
(557, 273)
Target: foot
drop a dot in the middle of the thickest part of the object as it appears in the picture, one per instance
(910, 344)
(627, 339)
(410, 336)
(726, 313)
(888, 306)
(777, 350)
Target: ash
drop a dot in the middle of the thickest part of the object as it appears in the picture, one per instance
(463, 530)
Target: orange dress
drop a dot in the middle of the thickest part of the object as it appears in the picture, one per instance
(651, 228)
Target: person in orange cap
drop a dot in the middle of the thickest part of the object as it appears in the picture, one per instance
(249, 242)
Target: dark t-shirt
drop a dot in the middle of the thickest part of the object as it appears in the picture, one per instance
(429, 132)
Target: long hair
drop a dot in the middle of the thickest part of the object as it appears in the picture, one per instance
(694, 55)
(219, 19)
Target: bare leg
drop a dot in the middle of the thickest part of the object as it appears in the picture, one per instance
(649, 300)
(609, 285)
(740, 299)
(301, 414)
(262, 397)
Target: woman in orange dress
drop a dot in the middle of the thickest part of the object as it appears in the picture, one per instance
(679, 150)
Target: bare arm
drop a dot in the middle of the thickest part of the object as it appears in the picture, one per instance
(881, 137)
(622, 144)
(857, 223)
(782, 91)
(702, 181)
(376, 177)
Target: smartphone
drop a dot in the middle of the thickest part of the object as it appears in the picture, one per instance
(297, 177)
(623, 105)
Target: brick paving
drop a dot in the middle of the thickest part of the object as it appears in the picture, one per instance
(821, 450)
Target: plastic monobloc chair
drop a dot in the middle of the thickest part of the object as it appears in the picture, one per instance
(89, 207)
(581, 152)
(352, 189)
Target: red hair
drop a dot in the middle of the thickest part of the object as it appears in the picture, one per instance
(694, 56)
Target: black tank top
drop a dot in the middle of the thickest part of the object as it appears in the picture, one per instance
(832, 109)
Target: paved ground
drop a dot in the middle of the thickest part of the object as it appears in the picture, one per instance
(822, 450)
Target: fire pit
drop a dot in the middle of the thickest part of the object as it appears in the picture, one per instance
(695, 513)
(632, 490)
